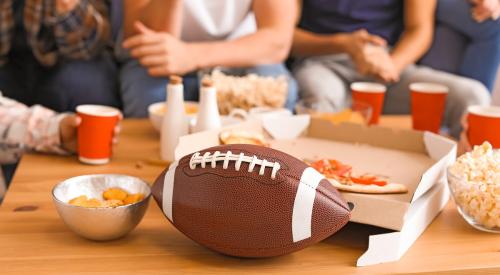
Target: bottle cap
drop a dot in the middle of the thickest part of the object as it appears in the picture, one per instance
(175, 79)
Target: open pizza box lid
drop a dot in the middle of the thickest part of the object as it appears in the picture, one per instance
(415, 159)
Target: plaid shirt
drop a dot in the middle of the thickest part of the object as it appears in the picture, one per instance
(22, 128)
(79, 34)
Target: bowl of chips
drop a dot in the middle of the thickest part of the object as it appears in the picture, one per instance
(102, 207)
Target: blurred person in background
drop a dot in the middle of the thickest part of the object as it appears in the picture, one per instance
(339, 42)
(184, 37)
(467, 39)
(34, 128)
(467, 42)
(57, 53)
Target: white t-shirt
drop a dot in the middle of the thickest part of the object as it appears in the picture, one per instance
(207, 20)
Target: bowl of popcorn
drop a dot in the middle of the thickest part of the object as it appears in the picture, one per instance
(101, 207)
(474, 181)
(247, 91)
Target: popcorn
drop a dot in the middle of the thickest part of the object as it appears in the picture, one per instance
(475, 183)
(249, 91)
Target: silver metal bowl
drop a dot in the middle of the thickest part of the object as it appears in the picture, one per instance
(100, 224)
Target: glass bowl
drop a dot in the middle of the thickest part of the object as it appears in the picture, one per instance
(359, 112)
(477, 204)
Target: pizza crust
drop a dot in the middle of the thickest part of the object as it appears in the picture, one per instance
(242, 137)
(389, 188)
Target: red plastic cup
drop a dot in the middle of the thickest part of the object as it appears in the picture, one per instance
(427, 105)
(372, 94)
(484, 125)
(95, 133)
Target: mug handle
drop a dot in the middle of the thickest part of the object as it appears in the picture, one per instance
(238, 113)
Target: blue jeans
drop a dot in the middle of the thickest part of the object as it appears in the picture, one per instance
(463, 46)
(139, 90)
(63, 86)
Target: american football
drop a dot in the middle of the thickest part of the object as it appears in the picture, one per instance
(249, 201)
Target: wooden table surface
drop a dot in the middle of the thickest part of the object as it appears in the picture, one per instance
(36, 241)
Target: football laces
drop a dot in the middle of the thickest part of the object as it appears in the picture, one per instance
(212, 159)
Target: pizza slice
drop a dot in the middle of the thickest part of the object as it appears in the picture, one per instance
(342, 177)
(330, 167)
(367, 185)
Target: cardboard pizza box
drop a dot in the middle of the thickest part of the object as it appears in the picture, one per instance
(390, 247)
(416, 159)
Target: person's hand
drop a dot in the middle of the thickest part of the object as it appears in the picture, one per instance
(356, 45)
(463, 144)
(483, 10)
(68, 132)
(64, 6)
(379, 64)
(370, 56)
(161, 53)
(358, 39)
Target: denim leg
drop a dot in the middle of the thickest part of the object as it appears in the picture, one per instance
(8, 171)
(481, 56)
(457, 15)
(275, 70)
(13, 81)
(76, 82)
(481, 60)
(139, 90)
(447, 50)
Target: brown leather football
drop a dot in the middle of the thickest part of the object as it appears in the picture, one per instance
(249, 201)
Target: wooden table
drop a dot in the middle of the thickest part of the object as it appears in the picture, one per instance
(36, 241)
